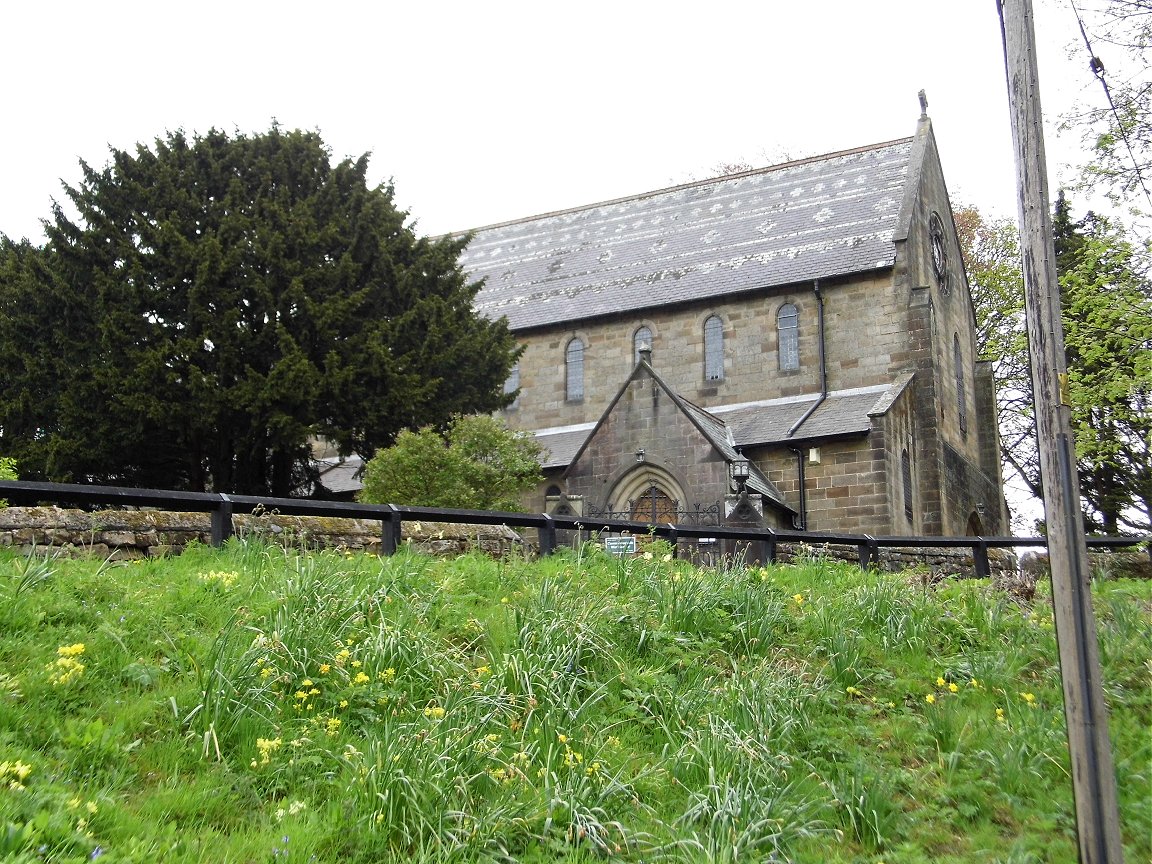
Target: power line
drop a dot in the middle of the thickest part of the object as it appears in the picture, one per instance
(1097, 67)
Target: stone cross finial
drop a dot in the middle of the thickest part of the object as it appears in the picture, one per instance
(923, 105)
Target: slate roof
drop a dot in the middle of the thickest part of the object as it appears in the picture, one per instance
(341, 475)
(815, 218)
(843, 413)
(560, 443)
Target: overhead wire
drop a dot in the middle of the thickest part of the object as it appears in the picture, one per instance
(1096, 65)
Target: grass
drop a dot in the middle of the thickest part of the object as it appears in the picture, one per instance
(255, 705)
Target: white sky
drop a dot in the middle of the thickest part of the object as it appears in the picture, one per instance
(483, 112)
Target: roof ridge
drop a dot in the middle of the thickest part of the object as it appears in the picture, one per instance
(690, 185)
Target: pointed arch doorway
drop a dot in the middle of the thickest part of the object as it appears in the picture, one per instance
(648, 494)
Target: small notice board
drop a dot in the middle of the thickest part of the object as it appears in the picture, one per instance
(620, 545)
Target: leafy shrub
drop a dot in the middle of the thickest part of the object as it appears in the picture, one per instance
(7, 472)
(479, 463)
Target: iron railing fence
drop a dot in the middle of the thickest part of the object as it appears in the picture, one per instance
(393, 516)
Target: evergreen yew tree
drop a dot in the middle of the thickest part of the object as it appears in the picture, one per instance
(218, 300)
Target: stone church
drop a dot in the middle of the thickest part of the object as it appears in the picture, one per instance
(803, 333)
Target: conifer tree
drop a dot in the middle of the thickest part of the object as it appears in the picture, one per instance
(217, 301)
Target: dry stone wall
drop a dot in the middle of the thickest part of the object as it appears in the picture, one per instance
(124, 534)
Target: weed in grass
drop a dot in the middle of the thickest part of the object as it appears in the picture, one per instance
(867, 806)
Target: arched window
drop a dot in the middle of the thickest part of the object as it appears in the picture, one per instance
(788, 337)
(961, 401)
(906, 477)
(642, 338)
(511, 385)
(574, 371)
(714, 349)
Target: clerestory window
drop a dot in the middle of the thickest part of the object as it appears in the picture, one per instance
(788, 337)
(713, 349)
(511, 385)
(574, 370)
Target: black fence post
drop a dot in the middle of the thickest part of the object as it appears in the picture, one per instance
(980, 558)
(768, 546)
(674, 539)
(869, 552)
(222, 521)
(391, 526)
(547, 536)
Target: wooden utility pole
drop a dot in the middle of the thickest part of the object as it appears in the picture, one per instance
(1093, 777)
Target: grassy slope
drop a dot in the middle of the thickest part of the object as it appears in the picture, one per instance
(252, 705)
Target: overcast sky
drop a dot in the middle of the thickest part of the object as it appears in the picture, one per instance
(483, 112)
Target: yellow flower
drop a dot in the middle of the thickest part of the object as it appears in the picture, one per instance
(1000, 714)
(333, 726)
(91, 807)
(267, 746)
(343, 703)
(952, 688)
(325, 668)
(930, 698)
(940, 682)
(388, 674)
(1030, 698)
(974, 683)
(266, 672)
(563, 739)
(307, 682)
(799, 598)
(434, 711)
(361, 678)
(356, 664)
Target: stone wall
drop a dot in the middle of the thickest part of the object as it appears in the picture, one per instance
(865, 343)
(142, 533)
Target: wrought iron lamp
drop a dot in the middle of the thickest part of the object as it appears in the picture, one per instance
(739, 470)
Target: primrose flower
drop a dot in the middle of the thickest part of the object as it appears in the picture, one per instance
(66, 668)
(940, 682)
(325, 668)
(267, 746)
(799, 598)
(930, 698)
(953, 688)
(13, 775)
(647, 556)
(387, 675)
(434, 711)
(361, 678)
(1030, 698)
(973, 683)
(1000, 714)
